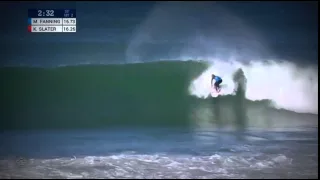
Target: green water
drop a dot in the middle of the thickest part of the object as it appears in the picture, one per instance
(102, 96)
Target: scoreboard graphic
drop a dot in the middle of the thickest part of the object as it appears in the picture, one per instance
(52, 20)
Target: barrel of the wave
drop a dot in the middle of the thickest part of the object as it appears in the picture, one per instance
(52, 20)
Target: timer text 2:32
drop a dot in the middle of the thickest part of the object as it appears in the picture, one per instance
(46, 13)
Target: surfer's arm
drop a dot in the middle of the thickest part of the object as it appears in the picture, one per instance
(211, 81)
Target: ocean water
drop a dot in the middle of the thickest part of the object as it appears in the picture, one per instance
(129, 96)
(142, 121)
(159, 153)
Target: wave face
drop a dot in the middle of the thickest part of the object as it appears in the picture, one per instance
(147, 94)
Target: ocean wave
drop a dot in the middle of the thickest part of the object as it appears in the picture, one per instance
(152, 94)
(287, 85)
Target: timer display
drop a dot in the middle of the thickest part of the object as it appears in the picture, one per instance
(52, 13)
(46, 13)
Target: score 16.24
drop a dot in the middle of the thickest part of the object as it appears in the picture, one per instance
(69, 29)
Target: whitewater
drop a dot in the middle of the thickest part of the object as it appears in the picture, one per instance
(287, 85)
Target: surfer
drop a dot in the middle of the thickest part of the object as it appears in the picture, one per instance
(217, 83)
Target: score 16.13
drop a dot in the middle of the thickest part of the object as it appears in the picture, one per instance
(69, 25)
(69, 21)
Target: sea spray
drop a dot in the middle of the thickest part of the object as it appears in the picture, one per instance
(288, 86)
(240, 108)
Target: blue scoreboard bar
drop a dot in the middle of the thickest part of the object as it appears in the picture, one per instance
(52, 13)
(52, 20)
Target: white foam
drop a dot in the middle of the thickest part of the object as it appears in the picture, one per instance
(147, 166)
(288, 86)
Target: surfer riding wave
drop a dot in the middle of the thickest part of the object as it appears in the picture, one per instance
(218, 81)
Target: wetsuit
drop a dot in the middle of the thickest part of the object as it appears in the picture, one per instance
(218, 81)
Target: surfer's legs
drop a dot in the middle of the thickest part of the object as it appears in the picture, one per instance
(217, 85)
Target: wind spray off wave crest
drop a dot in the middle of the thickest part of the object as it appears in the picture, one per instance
(286, 85)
